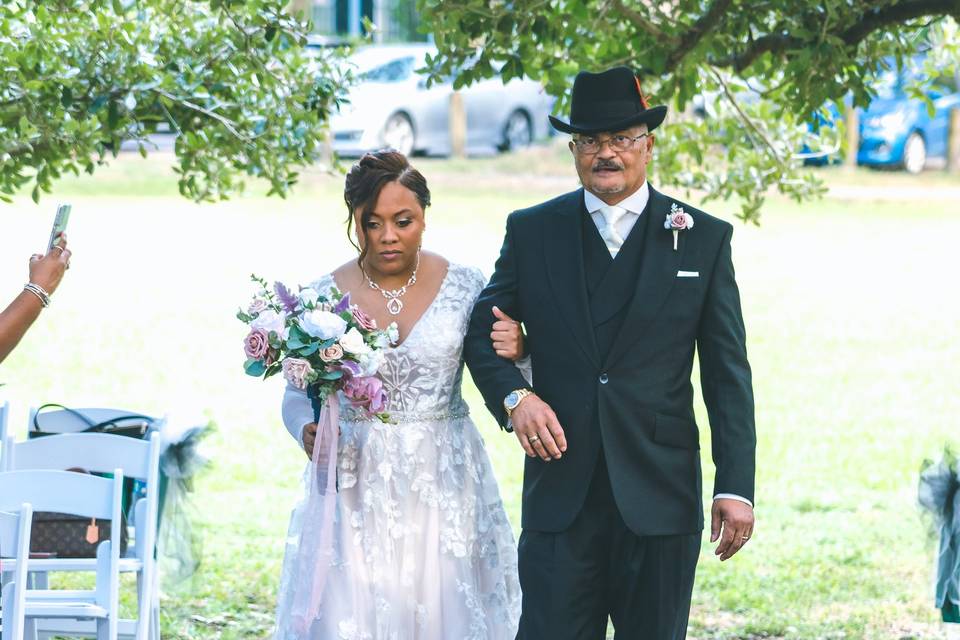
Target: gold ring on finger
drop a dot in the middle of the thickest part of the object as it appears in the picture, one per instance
(533, 439)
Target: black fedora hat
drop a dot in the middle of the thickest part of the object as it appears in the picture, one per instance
(611, 100)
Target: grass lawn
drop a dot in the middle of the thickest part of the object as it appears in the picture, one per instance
(852, 314)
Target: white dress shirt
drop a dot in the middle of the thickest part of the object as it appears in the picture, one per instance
(635, 203)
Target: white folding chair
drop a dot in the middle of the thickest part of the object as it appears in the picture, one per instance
(14, 544)
(82, 495)
(101, 453)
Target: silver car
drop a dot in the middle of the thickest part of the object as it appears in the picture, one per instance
(391, 106)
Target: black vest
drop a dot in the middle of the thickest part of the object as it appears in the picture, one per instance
(611, 283)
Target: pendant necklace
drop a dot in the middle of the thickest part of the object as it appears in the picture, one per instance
(394, 303)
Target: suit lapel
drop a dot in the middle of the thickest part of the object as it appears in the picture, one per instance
(566, 274)
(658, 273)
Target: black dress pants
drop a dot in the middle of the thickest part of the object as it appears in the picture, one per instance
(573, 580)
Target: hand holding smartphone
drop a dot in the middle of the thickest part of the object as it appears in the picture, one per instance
(59, 224)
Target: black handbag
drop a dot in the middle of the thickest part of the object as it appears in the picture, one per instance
(133, 425)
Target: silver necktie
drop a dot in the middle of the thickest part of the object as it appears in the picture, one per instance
(612, 214)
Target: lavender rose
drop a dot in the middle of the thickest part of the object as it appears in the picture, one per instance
(256, 344)
(257, 306)
(367, 393)
(366, 322)
(332, 353)
(295, 371)
(679, 221)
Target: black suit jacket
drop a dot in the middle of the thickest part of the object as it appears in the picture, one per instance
(637, 401)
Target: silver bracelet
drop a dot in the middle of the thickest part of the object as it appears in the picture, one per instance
(38, 291)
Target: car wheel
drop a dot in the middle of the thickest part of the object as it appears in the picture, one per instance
(517, 131)
(398, 134)
(914, 153)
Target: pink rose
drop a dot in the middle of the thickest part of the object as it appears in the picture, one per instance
(256, 344)
(295, 371)
(679, 220)
(366, 393)
(332, 354)
(366, 322)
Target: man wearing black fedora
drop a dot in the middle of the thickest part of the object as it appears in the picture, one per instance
(618, 286)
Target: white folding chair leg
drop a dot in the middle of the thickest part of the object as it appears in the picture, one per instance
(30, 629)
(6, 604)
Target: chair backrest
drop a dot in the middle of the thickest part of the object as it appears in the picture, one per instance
(94, 452)
(64, 421)
(15, 543)
(80, 495)
(77, 494)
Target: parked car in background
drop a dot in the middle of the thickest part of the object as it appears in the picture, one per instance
(391, 106)
(897, 131)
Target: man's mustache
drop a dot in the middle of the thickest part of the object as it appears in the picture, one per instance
(606, 164)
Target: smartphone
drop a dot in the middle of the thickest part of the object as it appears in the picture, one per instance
(59, 224)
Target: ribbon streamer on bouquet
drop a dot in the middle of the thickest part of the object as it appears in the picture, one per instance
(315, 550)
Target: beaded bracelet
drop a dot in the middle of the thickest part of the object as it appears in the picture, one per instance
(38, 291)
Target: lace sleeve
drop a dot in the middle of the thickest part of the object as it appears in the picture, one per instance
(297, 412)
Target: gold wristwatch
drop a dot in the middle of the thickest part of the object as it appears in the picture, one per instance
(513, 399)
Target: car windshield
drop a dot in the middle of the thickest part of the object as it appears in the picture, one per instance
(394, 71)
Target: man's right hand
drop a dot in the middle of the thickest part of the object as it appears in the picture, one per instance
(309, 438)
(538, 430)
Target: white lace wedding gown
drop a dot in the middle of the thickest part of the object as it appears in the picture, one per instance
(422, 549)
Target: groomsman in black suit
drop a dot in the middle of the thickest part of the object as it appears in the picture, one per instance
(617, 286)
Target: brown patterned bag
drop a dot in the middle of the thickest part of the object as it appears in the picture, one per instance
(69, 536)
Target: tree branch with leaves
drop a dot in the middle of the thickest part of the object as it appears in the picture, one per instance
(759, 70)
(231, 77)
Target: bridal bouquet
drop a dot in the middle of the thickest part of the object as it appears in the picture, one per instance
(321, 342)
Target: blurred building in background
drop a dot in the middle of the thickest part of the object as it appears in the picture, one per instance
(396, 20)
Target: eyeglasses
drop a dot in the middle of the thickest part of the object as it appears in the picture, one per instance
(589, 145)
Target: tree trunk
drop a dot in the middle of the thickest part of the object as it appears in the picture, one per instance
(953, 142)
(458, 125)
(853, 137)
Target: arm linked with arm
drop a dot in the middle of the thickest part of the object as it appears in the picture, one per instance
(496, 377)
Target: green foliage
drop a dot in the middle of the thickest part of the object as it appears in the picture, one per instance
(762, 68)
(232, 77)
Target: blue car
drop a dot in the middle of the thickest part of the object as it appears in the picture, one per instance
(897, 132)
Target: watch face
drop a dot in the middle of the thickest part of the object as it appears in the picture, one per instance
(511, 400)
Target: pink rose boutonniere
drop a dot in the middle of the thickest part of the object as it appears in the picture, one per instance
(676, 220)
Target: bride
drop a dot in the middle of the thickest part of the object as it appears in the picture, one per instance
(422, 548)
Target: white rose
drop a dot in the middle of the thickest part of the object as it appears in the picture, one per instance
(394, 332)
(323, 324)
(370, 363)
(352, 342)
(382, 341)
(308, 296)
(270, 320)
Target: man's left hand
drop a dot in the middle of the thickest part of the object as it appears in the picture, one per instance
(732, 524)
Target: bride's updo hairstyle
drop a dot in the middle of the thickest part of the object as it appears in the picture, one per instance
(365, 180)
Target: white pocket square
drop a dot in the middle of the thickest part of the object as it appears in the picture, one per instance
(688, 274)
